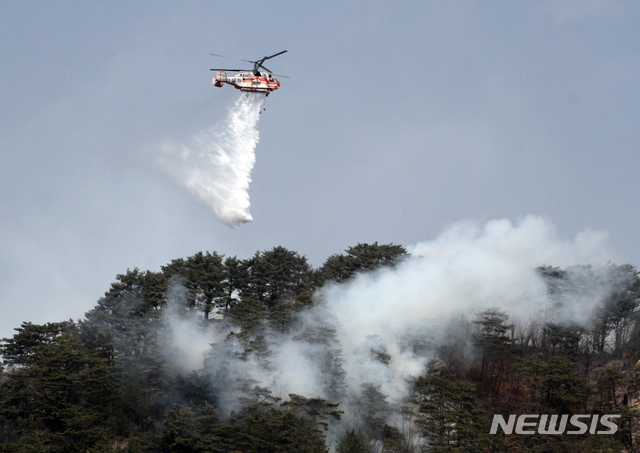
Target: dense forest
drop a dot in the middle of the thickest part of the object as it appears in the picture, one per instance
(220, 354)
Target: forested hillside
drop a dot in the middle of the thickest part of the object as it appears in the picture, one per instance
(220, 354)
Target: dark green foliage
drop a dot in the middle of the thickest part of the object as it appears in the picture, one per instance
(257, 346)
(249, 314)
(195, 388)
(278, 285)
(128, 321)
(617, 287)
(380, 353)
(127, 317)
(320, 411)
(273, 431)
(361, 258)
(204, 274)
(279, 274)
(252, 431)
(236, 279)
(555, 278)
(354, 441)
(24, 347)
(257, 398)
(618, 313)
(494, 330)
(76, 387)
(60, 396)
(608, 388)
(452, 417)
(562, 339)
(553, 386)
(107, 383)
(324, 352)
(180, 432)
(495, 343)
(373, 410)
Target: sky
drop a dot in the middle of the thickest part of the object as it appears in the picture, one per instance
(398, 120)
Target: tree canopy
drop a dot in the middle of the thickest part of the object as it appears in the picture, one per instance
(108, 382)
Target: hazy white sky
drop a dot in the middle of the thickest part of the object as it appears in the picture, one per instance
(399, 119)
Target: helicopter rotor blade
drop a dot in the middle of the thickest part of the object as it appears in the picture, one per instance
(274, 55)
(230, 58)
(249, 61)
(257, 64)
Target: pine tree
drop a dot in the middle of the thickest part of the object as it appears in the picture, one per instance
(360, 258)
(494, 341)
(354, 441)
(128, 321)
(374, 411)
(59, 394)
(179, 435)
(553, 386)
(319, 410)
(324, 352)
(204, 274)
(451, 416)
(279, 272)
(235, 281)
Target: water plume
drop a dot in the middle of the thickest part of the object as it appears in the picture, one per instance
(215, 165)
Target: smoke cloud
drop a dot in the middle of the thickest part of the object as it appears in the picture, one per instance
(215, 165)
(376, 329)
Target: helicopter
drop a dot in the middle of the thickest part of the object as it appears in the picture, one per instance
(249, 79)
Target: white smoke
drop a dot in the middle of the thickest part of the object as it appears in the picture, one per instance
(186, 340)
(381, 313)
(215, 165)
(465, 270)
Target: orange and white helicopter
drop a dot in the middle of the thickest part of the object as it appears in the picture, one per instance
(249, 79)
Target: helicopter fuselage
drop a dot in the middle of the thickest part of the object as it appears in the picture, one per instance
(248, 81)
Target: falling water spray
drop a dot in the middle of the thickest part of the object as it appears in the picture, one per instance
(215, 165)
